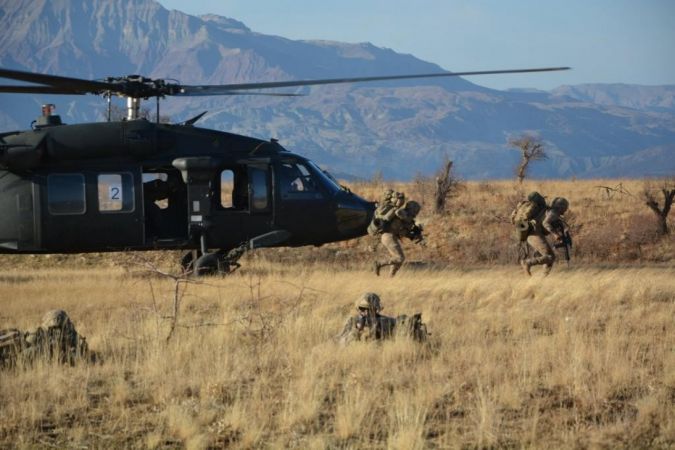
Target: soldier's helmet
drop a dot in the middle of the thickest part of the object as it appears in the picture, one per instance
(560, 204)
(369, 300)
(56, 318)
(413, 207)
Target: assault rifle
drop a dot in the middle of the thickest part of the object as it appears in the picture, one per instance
(565, 242)
(415, 234)
(363, 322)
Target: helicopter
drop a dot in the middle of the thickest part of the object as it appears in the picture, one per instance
(137, 185)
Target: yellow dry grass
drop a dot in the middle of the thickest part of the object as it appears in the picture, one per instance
(583, 358)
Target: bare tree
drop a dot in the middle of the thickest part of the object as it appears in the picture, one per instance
(531, 149)
(446, 186)
(668, 191)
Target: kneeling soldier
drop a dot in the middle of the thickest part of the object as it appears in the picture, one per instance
(54, 340)
(369, 324)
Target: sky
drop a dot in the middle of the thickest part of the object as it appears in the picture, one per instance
(604, 41)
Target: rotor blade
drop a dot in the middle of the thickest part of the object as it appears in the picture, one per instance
(40, 90)
(226, 89)
(55, 81)
(271, 94)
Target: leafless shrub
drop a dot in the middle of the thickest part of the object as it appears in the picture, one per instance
(437, 189)
(531, 149)
(650, 197)
(610, 192)
(180, 284)
(447, 185)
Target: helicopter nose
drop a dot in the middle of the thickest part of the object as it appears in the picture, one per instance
(353, 214)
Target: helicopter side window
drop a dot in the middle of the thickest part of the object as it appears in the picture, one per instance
(296, 179)
(234, 188)
(259, 196)
(226, 188)
(66, 194)
(115, 192)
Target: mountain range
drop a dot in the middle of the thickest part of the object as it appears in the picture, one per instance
(396, 128)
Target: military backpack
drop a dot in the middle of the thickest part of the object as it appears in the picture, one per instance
(526, 212)
(12, 341)
(390, 201)
(411, 326)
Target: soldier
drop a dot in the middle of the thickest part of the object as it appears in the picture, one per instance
(54, 340)
(368, 324)
(394, 224)
(547, 223)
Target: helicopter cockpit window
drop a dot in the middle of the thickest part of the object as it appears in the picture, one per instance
(65, 194)
(328, 180)
(115, 192)
(295, 178)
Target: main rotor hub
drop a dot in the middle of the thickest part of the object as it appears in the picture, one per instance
(137, 86)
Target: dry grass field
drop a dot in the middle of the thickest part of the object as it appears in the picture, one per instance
(583, 358)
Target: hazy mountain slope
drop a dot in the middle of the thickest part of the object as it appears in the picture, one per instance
(655, 98)
(400, 128)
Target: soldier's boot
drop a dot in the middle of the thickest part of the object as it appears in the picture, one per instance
(376, 267)
(547, 269)
(526, 267)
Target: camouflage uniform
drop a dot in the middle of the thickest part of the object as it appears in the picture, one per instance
(398, 225)
(551, 223)
(54, 340)
(369, 324)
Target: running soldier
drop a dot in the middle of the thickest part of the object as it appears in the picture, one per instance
(535, 224)
(393, 220)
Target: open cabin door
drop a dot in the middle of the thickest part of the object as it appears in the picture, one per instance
(165, 206)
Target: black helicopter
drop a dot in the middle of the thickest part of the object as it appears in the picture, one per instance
(140, 185)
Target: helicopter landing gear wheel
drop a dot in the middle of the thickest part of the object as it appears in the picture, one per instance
(188, 259)
(207, 264)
